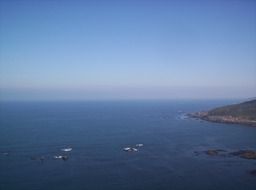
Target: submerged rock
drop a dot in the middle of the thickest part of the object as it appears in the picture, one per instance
(214, 152)
(5, 153)
(38, 158)
(64, 158)
(42, 158)
(253, 172)
(246, 154)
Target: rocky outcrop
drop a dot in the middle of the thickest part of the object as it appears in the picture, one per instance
(245, 154)
(223, 119)
(243, 113)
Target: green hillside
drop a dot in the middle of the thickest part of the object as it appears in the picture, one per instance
(246, 110)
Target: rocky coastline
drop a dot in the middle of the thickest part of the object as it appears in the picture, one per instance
(204, 115)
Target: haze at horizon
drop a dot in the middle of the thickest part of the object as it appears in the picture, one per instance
(127, 49)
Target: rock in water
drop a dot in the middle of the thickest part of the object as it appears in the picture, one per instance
(247, 154)
(253, 172)
(214, 152)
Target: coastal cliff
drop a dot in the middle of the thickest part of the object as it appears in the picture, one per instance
(242, 113)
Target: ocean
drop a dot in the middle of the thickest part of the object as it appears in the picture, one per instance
(172, 156)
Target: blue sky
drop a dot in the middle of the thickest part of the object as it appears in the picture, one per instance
(127, 49)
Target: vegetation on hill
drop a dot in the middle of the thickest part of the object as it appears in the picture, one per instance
(245, 110)
(243, 113)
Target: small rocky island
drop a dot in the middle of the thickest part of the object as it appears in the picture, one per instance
(242, 113)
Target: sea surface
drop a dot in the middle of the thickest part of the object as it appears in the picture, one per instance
(32, 133)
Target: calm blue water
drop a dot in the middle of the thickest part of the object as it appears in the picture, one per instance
(98, 131)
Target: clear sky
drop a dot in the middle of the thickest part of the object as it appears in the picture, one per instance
(160, 49)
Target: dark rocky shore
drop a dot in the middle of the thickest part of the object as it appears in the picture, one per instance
(243, 113)
(243, 154)
(223, 119)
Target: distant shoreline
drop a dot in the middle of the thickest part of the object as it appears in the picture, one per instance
(243, 113)
(228, 119)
